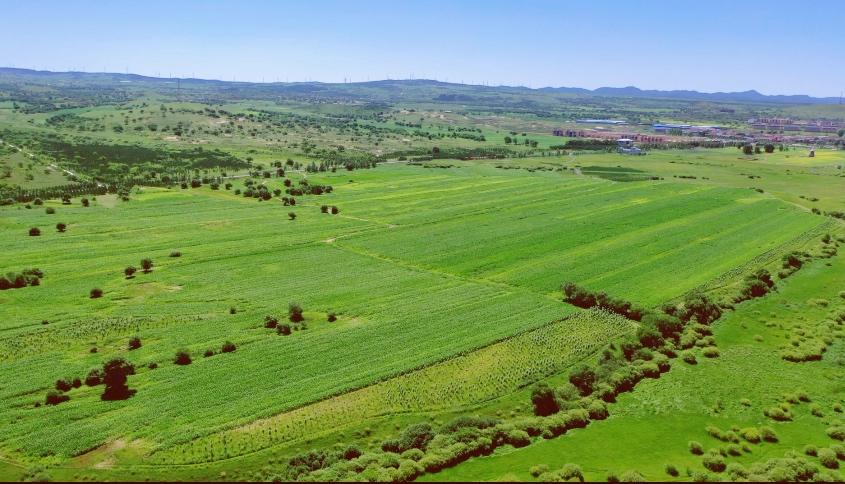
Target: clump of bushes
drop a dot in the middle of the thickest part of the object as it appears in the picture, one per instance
(134, 343)
(228, 347)
(115, 374)
(183, 357)
(95, 293)
(295, 313)
(583, 298)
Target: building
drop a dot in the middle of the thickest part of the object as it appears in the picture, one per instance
(626, 146)
(601, 121)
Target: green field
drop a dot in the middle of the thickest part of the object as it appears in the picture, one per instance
(433, 294)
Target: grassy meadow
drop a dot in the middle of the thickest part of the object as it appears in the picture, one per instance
(432, 295)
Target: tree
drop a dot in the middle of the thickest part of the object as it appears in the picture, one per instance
(748, 150)
(115, 373)
(130, 271)
(134, 343)
(34, 232)
(61, 227)
(292, 215)
(228, 347)
(295, 313)
(583, 378)
(95, 293)
(182, 358)
(335, 210)
(508, 140)
(332, 317)
(770, 148)
(85, 202)
(543, 398)
(283, 329)
(147, 264)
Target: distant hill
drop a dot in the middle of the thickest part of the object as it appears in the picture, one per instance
(437, 90)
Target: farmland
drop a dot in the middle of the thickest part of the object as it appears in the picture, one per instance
(428, 265)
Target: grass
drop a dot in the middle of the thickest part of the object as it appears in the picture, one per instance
(651, 427)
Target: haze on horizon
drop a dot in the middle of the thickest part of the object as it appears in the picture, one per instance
(768, 46)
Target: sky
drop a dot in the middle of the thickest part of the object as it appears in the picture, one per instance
(773, 46)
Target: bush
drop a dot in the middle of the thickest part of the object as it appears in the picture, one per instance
(175, 253)
(55, 398)
(34, 232)
(332, 317)
(324, 208)
(672, 470)
(115, 373)
(233, 310)
(63, 385)
(416, 436)
(182, 358)
(228, 347)
(146, 264)
(49, 210)
(689, 357)
(270, 321)
(295, 313)
(130, 271)
(292, 215)
(811, 450)
(710, 352)
(583, 377)
(631, 476)
(335, 210)
(352, 452)
(61, 227)
(134, 343)
(828, 459)
(208, 353)
(94, 377)
(543, 398)
(535, 471)
(283, 329)
(95, 293)
(714, 462)
(768, 435)
(836, 432)
(695, 448)
(750, 434)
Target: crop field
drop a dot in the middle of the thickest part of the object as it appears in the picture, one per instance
(407, 280)
(652, 426)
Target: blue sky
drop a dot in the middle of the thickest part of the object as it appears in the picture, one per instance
(776, 47)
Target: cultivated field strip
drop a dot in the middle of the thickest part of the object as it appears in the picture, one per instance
(465, 380)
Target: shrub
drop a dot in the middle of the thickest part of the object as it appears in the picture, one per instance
(209, 352)
(535, 471)
(34, 232)
(233, 310)
(63, 385)
(352, 452)
(49, 210)
(335, 210)
(828, 459)
(714, 462)
(416, 436)
(811, 450)
(583, 378)
(61, 227)
(55, 398)
(175, 253)
(695, 448)
(689, 357)
(631, 476)
(295, 313)
(324, 208)
(182, 358)
(228, 347)
(134, 343)
(292, 215)
(750, 434)
(115, 373)
(283, 329)
(94, 377)
(85, 202)
(672, 470)
(270, 321)
(767, 434)
(710, 352)
(836, 432)
(95, 293)
(130, 271)
(332, 317)
(543, 398)
(146, 264)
